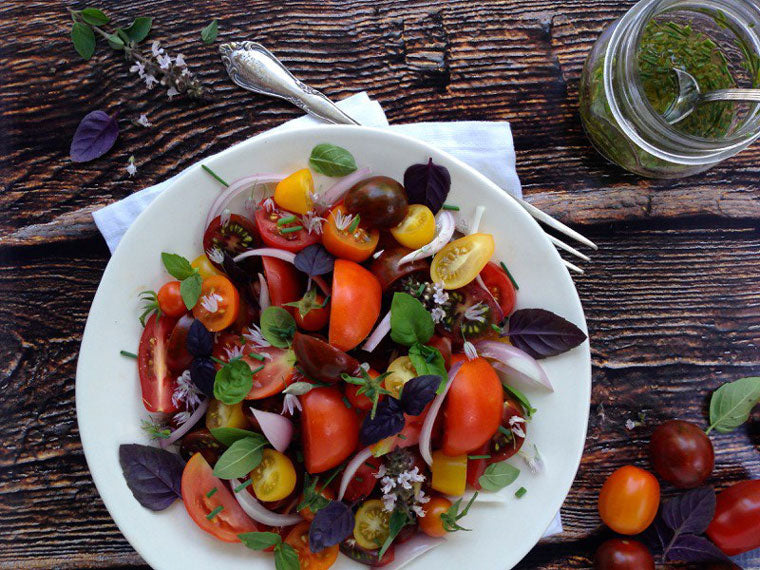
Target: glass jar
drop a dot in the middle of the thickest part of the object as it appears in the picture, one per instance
(627, 84)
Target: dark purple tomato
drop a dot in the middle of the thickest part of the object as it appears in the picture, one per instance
(388, 271)
(320, 360)
(350, 548)
(623, 554)
(237, 235)
(201, 441)
(380, 201)
(462, 318)
(681, 454)
(178, 358)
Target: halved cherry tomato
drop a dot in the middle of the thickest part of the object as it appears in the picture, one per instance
(312, 312)
(221, 415)
(365, 556)
(470, 311)
(460, 261)
(735, 528)
(294, 192)
(170, 301)
(473, 407)
(156, 381)
(298, 538)
(197, 481)
(282, 236)
(449, 473)
(363, 482)
(306, 512)
(372, 524)
(500, 286)
(355, 304)
(408, 437)
(346, 241)
(237, 235)
(277, 374)
(201, 441)
(219, 303)
(431, 524)
(401, 371)
(283, 281)
(330, 430)
(417, 228)
(274, 478)
(629, 500)
(177, 356)
(390, 274)
(322, 361)
(204, 266)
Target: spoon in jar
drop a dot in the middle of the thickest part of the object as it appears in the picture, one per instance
(689, 97)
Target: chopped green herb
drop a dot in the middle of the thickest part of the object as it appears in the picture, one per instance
(243, 485)
(214, 175)
(346, 402)
(256, 356)
(505, 431)
(215, 512)
(212, 492)
(127, 354)
(512, 279)
(291, 229)
(478, 457)
(495, 327)
(401, 436)
(257, 369)
(520, 492)
(421, 289)
(286, 220)
(358, 479)
(451, 207)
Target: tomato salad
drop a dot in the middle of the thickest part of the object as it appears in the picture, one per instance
(338, 370)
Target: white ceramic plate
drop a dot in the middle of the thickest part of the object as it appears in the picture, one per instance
(109, 406)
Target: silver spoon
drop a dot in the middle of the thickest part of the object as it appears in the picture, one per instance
(689, 97)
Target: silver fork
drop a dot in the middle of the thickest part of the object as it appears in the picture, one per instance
(253, 67)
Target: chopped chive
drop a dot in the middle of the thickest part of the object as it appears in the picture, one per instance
(478, 457)
(401, 436)
(215, 512)
(354, 225)
(255, 370)
(215, 359)
(346, 402)
(212, 492)
(243, 485)
(370, 465)
(421, 289)
(451, 207)
(290, 230)
(127, 354)
(213, 174)
(495, 327)
(505, 431)
(256, 356)
(358, 479)
(286, 220)
(512, 279)
(520, 492)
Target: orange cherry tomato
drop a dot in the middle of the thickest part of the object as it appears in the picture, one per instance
(197, 481)
(629, 500)
(298, 538)
(170, 301)
(306, 512)
(354, 306)
(219, 303)
(473, 407)
(330, 430)
(431, 524)
(353, 243)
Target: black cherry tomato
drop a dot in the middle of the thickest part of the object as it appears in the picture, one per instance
(681, 454)
(623, 554)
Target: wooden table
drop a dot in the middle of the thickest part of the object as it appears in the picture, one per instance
(672, 297)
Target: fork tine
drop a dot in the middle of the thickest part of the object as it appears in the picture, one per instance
(556, 224)
(572, 267)
(569, 249)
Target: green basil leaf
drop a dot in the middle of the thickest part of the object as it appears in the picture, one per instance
(94, 17)
(429, 360)
(260, 540)
(411, 323)
(139, 29)
(286, 557)
(278, 326)
(732, 403)
(209, 33)
(233, 382)
(498, 475)
(190, 290)
(241, 458)
(332, 160)
(115, 41)
(177, 266)
(522, 398)
(84, 39)
(398, 520)
(229, 435)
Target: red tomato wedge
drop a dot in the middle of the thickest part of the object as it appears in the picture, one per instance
(156, 381)
(355, 304)
(500, 286)
(330, 430)
(197, 480)
(237, 235)
(283, 281)
(363, 482)
(277, 374)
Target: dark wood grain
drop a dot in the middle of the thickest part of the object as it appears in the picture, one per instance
(672, 297)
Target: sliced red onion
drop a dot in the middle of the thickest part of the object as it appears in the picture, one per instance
(382, 329)
(500, 315)
(258, 512)
(288, 256)
(276, 428)
(263, 293)
(444, 229)
(413, 549)
(235, 189)
(335, 192)
(352, 468)
(184, 428)
(476, 217)
(427, 426)
(515, 363)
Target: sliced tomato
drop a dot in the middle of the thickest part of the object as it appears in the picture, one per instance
(330, 430)
(201, 441)
(219, 303)
(283, 281)
(322, 361)
(156, 381)
(282, 236)
(355, 304)
(177, 356)
(348, 241)
(363, 482)
(197, 480)
(277, 374)
(463, 303)
(350, 548)
(500, 286)
(460, 261)
(389, 273)
(236, 235)
(308, 560)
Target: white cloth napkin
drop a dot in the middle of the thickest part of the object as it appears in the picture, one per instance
(486, 146)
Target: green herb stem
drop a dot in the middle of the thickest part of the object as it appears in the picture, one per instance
(451, 207)
(127, 354)
(286, 220)
(212, 492)
(512, 279)
(215, 512)
(214, 175)
(243, 485)
(291, 229)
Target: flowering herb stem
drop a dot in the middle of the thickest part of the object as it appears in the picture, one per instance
(243, 485)
(451, 207)
(127, 354)
(512, 279)
(495, 327)
(291, 229)
(215, 512)
(286, 220)
(214, 175)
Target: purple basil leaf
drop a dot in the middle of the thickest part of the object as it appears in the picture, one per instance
(658, 535)
(203, 374)
(199, 342)
(691, 548)
(94, 137)
(690, 513)
(418, 393)
(388, 421)
(541, 333)
(153, 475)
(331, 525)
(314, 260)
(427, 184)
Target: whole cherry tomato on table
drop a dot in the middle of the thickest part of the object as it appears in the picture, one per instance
(681, 454)
(156, 381)
(629, 500)
(330, 430)
(623, 554)
(735, 528)
(355, 304)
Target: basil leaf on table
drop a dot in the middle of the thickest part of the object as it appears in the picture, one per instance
(314, 260)
(229, 435)
(691, 548)
(94, 17)
(278, 326)
(427, 184)
(388, 421)
(332, 160)
(429, 360)
(152, 474)
(209, 33)
(240, 459)
(95, 135)
(331, 525)
(233, 382)
(690, 513)
(732, 403)
(418, 393)
(498, 475)
(542, 333)
(83, 39)
(411, 323)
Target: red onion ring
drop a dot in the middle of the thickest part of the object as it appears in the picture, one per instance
(276, 428)
(263, 292)
(184, 428)
(258, 512)
(352, 468)
(288, 256)
(382, 329)
(335, 192)
(427, 426)
(236, 188)
(412, 549)
(444, 229)
(514, 362)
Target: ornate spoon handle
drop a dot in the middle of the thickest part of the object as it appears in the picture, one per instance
(732, 95)
(253, 67)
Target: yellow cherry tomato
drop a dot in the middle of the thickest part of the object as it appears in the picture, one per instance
(220, 415)
(462, 260)
(449, 473)
(401, 371)
(204, 266)
(417, 228)
(372, 524)
(294, 192)
(274, 478)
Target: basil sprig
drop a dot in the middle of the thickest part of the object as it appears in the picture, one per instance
(332, 160)
(732, 403)
(411, 323)
(189, 277)
(285, 556)
(278, 327)
(428, 360)
(450, 518)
